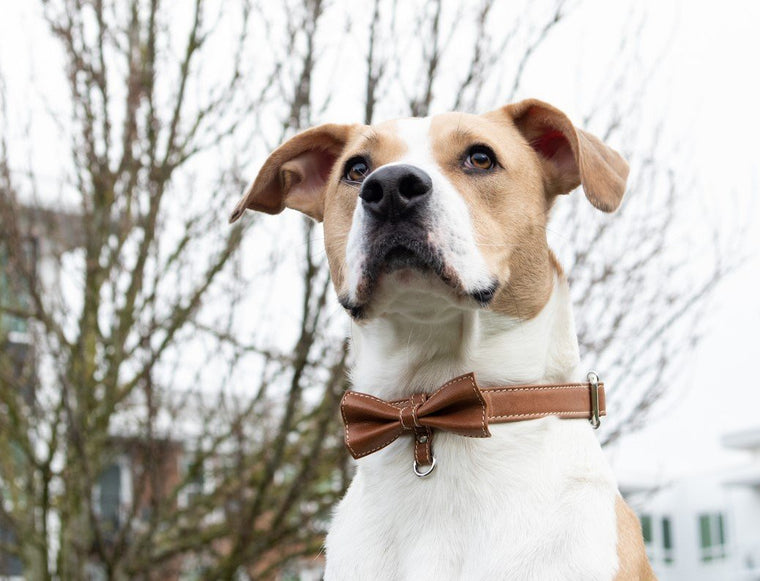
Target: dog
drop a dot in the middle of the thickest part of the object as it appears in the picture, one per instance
(435, 233)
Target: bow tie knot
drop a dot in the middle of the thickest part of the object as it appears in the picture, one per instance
(408, 415)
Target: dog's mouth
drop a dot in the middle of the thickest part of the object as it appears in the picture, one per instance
(394, 253)
(399, 251)
(401, 256)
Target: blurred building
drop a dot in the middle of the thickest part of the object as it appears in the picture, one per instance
(143, 474)
(706, 526)
(16, 361)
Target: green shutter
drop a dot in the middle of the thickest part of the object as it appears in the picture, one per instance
(646, 528)
(705, 540)
(721, 536)
(704, 531)
(667, 539)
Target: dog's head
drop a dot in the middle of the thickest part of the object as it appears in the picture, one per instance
(443, 211)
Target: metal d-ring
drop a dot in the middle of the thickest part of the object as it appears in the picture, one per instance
(416, 468)
(593, 380)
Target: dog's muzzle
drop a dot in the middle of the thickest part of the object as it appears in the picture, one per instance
(399, 230)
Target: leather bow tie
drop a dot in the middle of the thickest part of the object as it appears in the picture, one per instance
(463, 408)
(371, 423)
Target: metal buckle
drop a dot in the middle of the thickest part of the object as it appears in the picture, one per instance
(418, 473)
(593, 380)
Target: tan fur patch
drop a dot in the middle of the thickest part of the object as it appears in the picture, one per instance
(508, 206)
(632, 556)
(380, 144)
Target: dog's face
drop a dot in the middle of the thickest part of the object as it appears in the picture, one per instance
(442, 211)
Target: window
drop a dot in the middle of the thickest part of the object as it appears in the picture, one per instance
(16, 352)
(194, 481)
(110, 501)
(646, 528)
(17, 361)
(14, 292)
(712, 537)
(657, 532)
(10, 565)
(667, 540)
(646, 532)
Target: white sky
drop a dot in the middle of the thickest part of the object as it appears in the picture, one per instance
(711, 91)
(708, 89)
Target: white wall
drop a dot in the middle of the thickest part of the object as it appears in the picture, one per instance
(683, 502)
(746, 528)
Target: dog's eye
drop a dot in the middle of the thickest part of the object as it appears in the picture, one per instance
(356, 170)
(480, 157)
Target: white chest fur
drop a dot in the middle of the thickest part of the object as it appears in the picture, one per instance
(536, 501)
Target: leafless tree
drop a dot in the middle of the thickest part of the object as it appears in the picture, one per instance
(151, 322)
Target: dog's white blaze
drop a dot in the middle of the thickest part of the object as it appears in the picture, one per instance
(452, 229)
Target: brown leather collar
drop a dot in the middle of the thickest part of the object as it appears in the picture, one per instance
(461, 407)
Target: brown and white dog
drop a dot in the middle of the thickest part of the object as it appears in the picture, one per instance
(435, 231)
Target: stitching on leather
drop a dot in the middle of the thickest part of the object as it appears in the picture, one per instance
(429, 434)
(379, 447)
(536, 388)
(479, 394)
(586, 386)
(543, 414)
(414, 416)
(468, 375)
(359, 394)
(401, 417)
(345, 423)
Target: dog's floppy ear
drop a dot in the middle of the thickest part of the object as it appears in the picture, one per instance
(570, 156)
(296, 173)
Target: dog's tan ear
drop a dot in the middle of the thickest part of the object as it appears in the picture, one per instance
(570, 156)
(296, 173)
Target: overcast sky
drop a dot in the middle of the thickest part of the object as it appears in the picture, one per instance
(708, 89)
(711, 92)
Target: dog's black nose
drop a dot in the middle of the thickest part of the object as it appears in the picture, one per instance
(391, 192)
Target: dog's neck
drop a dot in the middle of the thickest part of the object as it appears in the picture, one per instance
(395, 356)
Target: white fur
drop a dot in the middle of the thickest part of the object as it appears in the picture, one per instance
(535, 501)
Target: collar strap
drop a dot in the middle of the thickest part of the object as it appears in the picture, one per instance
(464, 408)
